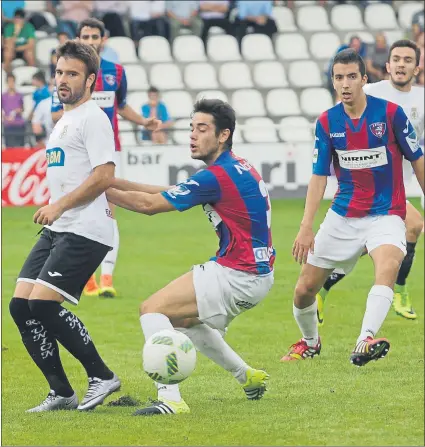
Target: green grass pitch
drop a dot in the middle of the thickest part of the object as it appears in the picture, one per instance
(325, 401)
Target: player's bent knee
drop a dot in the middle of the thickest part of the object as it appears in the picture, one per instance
(23, 289)
(41, 292)
(305, 289)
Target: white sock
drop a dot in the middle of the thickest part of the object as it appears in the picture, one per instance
(210, 342)
(307, 322)
(108, 264)
(169, 392)
(378, 304)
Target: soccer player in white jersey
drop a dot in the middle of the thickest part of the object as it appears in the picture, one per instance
(76, 235)
(403, 67)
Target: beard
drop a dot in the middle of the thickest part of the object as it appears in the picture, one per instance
(73, 97)
(402, 83)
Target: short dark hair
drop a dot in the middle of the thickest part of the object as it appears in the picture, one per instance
(223, 114)
(92, 23)
(65, 33)
(82, 52)
(153, 89)
(406, 43)
(19, 13)
(349, 56)
(40, 76)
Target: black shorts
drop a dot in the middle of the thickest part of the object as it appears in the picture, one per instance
(63, 262)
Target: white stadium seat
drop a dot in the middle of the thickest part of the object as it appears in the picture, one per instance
(379, 16)
(299, 3)
(365, 36)
(181, 131)
(257, 47)
(237, 134)
(43, 49)
(136, 77)
(295, 129)
(313, 18)
(125, 49)
(233, 75)
(154, 49)
(284, 19)
(223, 48)
(24, 75)
(393, 35)
(212, 94)
(136, 100)
(291, 47)
(324, 45)
(166, 77)
(35, 6)
(406, 11)
(305, 74)
(200, 76)
(282, 102)
(346, 17)
(189, 49)
(314, 101)
(260, 130)
(28, 105)
(124, 125)
(128, 139)
(248, 102)
(179, 103)
(270, 74)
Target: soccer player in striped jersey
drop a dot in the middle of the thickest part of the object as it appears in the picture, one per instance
(403, 67)
(110, 94)
(204, 301)
(367, 139)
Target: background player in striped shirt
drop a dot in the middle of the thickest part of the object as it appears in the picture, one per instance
(403, 67)
(367, 138)
(205, 300)
(110, 94)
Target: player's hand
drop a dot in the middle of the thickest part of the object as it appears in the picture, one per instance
(48, 214)
(304, 242)
(152, 124)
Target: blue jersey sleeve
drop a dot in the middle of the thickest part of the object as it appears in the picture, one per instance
(322, 155)
(56, 104)
(406, 136)
(201, 188)
(122, 91)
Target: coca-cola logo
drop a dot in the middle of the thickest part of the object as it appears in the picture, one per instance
(24, 179)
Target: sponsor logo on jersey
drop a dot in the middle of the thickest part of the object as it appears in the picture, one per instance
(262, 254)
(181, 189)
(338, 135)
(363, 158)
(55, 157)
(414, 113)
(315, 155)
(110, 79)
(378, 129)
(104, 99)
(64, 131)
(212, 215)
(412, 141)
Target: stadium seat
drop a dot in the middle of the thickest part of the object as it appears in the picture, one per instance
(313, 18)
(299, 3)
(237, 134)
(233, 75)
(270, 74)
(282, 102)
(189, 49)
(43, 49)
(154, 49)
(248, 103)
(223, 48)
(393, 35)
(136, 77)
(128, 139)
(291, 47)
(124, 125)
(200, 76)
(35, 6)
(24, 75)
(314, 101)
(136, 100)
(406, 11)
(257, 47)
(305, 74)
(179, 103)
(181, 131)
(346, 17)
(284, 19)
(260, 130)
(295, 129)
(365, 36)
(379, 16)
(324, 45)
(212, 94)
(124, 47)
(166, 77)
(28, 105)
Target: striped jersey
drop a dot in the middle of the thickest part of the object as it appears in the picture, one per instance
(236, 201)
(110, 94)
(367, 155)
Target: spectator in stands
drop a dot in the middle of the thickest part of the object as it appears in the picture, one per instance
(255, 14)
(41, 87)
(214, 13)
(183, 14)
(156, 108)
(71, 13)
(420, 80)
(63, 36)
(12, 107)
(420, 42)
(111, 13)
(417, 24)
(8, 8)
(376, 58)
(19, 41)
(42, 123)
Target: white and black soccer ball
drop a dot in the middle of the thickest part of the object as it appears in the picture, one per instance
(169, 357)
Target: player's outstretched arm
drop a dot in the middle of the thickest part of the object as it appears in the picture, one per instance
(128, 113)
(139, 202)
(125, 185)
(418, 167)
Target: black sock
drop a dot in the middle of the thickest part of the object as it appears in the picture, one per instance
(332, 280)
(41, 346)
(406, 265)
(72, 335)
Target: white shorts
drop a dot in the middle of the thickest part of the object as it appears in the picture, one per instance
(340, 240)
(117, 161)
(223, 293)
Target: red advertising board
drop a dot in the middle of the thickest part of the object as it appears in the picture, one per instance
(24, 177)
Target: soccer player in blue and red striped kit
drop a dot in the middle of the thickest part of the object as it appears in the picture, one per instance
(366, 138)
(204, 301)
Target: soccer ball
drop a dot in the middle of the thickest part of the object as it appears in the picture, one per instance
(169, 357)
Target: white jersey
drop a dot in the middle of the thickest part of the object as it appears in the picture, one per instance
(43, 116)
(81, 140)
